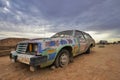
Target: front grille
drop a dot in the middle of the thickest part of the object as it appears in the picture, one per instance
(21, 48)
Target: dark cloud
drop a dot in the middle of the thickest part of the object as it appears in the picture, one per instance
(58, 15)
(58, 9)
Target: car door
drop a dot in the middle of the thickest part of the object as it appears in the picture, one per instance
(82, 41)
(89, 40)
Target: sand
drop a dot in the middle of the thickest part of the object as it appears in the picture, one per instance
(101, 64)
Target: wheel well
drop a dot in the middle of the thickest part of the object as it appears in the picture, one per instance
(91, 45)
(69, 49)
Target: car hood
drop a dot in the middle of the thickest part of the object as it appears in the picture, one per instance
(47, 42)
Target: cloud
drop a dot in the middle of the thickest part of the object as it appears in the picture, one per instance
(26, 35)
(40, 16)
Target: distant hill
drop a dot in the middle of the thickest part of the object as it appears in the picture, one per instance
(8, 44)
(11, 41)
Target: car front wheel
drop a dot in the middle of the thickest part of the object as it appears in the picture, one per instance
(63, 58)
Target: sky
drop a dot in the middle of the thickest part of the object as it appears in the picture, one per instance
(43, 18)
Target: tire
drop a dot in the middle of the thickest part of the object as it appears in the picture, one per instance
(62, 59)
(88, 50)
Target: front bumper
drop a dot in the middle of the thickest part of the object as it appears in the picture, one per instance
(29, 59)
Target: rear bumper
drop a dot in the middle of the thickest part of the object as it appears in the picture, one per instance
(29, 59)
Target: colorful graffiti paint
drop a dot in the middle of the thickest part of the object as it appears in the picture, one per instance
(62, 42)
(76, 49)
(69, 41)
(52, 56)
(51, 51)
(52, 43)
(58, 42)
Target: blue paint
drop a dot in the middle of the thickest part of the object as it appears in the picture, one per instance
(52, 56)
(63, 42)
(74, 41)
(52, 43)
(39, 48)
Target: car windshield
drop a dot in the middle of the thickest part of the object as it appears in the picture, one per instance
(63, 34)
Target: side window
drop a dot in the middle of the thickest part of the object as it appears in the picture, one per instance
(79, 35)
(87, 36)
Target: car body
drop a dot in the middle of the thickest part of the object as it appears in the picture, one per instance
(58, 50)
(103, 42)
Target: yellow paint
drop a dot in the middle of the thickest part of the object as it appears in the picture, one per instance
(75, 49)
(51, 51)
(30, 47)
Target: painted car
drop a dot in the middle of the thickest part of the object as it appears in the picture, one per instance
(58, 50)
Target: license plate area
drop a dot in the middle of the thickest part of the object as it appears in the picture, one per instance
(24, 58)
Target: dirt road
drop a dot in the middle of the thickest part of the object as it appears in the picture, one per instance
(101, 64)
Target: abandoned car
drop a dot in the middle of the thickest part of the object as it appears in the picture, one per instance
(58, 50)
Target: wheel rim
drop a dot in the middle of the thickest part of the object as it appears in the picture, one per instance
(64, 59)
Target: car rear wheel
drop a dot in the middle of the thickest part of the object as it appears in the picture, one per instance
(88, 50)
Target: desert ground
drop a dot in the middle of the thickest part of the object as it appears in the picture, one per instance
(101, 64)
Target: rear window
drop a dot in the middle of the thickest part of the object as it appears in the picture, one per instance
(87, 36)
